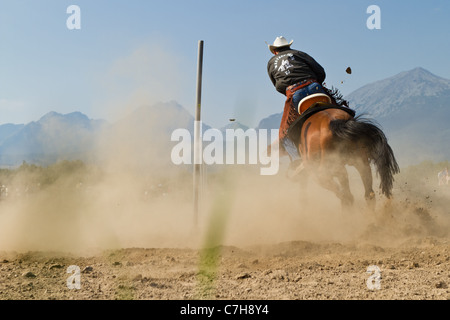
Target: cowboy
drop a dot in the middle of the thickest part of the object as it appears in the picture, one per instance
(296, 75)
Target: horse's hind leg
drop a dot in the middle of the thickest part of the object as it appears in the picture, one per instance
(347, 197)
(341, 190)
(363, 167)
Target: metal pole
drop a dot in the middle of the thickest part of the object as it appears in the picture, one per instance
(197, 135)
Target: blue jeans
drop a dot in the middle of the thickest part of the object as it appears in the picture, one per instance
(290, 148)
(306, 91)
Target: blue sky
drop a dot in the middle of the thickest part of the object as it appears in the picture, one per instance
(136, 52)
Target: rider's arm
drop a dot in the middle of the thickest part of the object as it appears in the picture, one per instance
(315, 67)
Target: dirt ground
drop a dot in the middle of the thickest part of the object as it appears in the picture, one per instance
(251, 242)
(291, 270)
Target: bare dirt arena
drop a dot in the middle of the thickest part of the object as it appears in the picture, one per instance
(254, 240)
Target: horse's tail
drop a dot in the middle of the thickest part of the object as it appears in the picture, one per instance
(380, 153)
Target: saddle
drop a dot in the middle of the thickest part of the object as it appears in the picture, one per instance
(307, 107)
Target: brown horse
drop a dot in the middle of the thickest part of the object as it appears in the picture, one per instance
(331, 138)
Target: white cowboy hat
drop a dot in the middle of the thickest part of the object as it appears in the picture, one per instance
(278, 43)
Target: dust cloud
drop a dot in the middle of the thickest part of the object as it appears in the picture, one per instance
(268, 210)
(127, 203)
(129, 194)
(117, 203)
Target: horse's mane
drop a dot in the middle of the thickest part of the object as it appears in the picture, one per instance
(336, 97)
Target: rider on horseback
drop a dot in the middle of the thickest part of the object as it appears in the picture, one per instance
(296, 75)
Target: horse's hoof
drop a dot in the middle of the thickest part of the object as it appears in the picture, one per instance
(371, 196)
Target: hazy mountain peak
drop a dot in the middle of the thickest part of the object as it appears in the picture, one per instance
(383, 97)
(419, 74)
(76, 114)
(71, 117)
(417, 70)
(49, 115)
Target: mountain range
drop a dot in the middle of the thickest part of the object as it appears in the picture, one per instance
(53, 137)
(411, 107)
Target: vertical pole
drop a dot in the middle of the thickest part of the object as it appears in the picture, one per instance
(197, 135)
